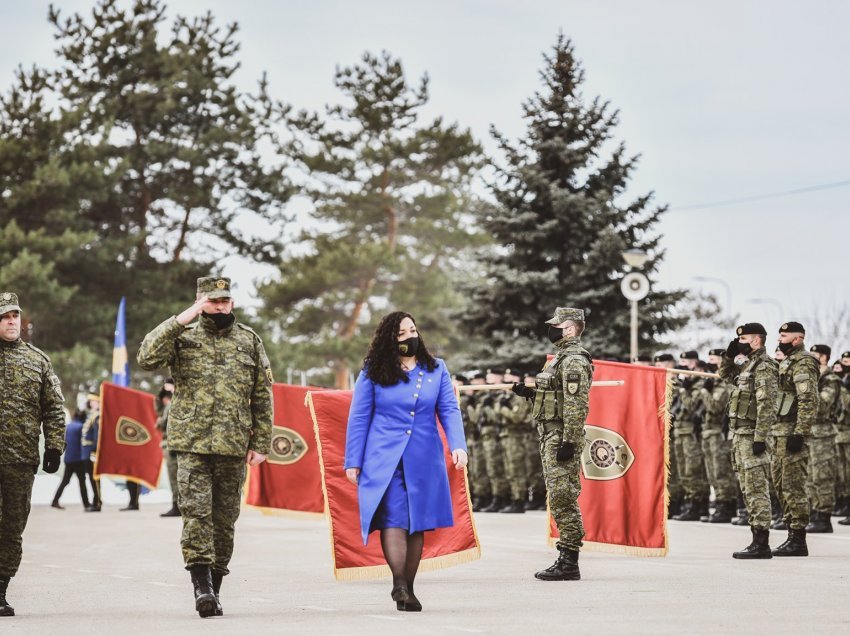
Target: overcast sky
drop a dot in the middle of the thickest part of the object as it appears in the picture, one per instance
(722, 100)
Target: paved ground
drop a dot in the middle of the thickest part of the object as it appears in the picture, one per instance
(120, 573)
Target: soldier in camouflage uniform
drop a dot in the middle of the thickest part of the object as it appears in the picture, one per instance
(687, 438)
(30, 402)
(220, 419)
(533, 464)
(489, 423)
(675, 491)
(471, 405)
(714, 397)
(170, 457)
(752, 412)
(842, 443)
(560, 411)
(512, 440)
(822, 453)
(790, 434)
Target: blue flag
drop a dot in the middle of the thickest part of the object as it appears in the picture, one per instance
(120, 361)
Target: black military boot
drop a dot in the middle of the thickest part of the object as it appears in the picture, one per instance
(722, 512)
(496, 504)
(743, 518)
(794, 546)
(820, 523)
(5, 608)
(758, 549)
(515, 507)
(691, 511)
(174, 512)
(845, 521)
(674, 508)
(538, 501)
(565, 568)
(479, 503)
(205, 601)
(842, 507)
(703, 509)
(216, 585)
(779, 524)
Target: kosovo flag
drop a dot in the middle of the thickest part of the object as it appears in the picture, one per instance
(120, 361)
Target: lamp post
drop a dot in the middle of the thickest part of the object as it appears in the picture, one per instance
(635, 287)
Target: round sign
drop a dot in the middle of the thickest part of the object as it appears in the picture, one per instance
(635, 286)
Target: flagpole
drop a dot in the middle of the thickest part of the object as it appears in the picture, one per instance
(502, 387)
(696, 374)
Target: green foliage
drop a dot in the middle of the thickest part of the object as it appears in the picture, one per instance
(392, 203)
(561, 225)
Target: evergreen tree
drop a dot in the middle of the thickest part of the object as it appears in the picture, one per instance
(391, 220)
(560, 225)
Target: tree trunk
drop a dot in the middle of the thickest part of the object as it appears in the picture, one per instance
(181, 241)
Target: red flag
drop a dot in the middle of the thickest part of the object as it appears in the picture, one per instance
(289, 479)
(623, 497)
(444, 547)
(128, 443)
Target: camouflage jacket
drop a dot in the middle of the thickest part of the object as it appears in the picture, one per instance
(752, 401)
(30, 401)
(843, 427)
(798, 394)
(690, 396)
(162, 424)
(562, 389)
(830, 407)
(716, 402)
(222, 403)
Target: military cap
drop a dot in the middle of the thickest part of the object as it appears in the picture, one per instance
(716, 352)
(822, 349)
(8, 302)
(846, 354)
(643, 358)
(480, 375)
(562, 314)
(214, 287)
(751, 329)
(689, 355)
(664, 357)
(792, 327)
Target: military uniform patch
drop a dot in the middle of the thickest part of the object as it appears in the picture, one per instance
(606, 455)
(287, 446)
(269, 376)
(221, 284)
(573, 381)
(130, 432)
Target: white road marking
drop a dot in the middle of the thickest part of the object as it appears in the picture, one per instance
(383, 618)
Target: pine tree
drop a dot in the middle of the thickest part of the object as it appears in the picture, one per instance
(390, 221)
(560, 225)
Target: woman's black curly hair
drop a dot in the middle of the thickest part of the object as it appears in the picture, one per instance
(382, 363)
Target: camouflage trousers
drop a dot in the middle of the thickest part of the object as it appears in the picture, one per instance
(478, 481)
(563, 484)
(170, 458)
(718, 465)
(789, 472)
(674, 485)
(842, 470)
(15, 492)
(754, 477)
(513, 447)
(533, 465)
(691, 464)
(493, 462)
(820, 485)
(209, 489)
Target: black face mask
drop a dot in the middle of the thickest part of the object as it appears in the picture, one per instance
(221, 321)
(408, 347)
(555, 333)
(786, 347)
(745, 348)
(711, 367)
(846, 368)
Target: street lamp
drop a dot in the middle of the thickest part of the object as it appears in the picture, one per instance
(635, 287)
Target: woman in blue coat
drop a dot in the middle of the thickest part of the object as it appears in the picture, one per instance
(393, 450)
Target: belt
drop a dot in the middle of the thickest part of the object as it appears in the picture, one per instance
(551, 425)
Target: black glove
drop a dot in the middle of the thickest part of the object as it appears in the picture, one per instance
(566, 451)
(523, 391)
(724, 427)
(794, 443)
(708, 384)
(732, 349)
(688, 382)
(759, 448)
(51, 461)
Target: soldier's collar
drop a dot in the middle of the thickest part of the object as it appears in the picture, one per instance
(13, 343)
(563, 343)
(755, 353)
(209, 326)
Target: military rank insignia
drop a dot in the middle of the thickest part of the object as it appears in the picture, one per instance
(606, 455)
(130, 432)
(287, 447)
(221, 284)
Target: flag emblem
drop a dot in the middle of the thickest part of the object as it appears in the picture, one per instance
(606, 456)
(287, 447)
(130, 432)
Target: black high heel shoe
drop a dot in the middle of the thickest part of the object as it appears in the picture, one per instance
(401, 596)
(412, 604)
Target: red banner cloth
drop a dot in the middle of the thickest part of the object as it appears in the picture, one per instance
(623, 497)
(128, 442)
(444, 547)
(290, 479)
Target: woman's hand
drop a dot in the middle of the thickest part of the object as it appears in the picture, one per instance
(460, 459)
(353, 474)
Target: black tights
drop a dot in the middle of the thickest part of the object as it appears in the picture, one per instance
(403, 553)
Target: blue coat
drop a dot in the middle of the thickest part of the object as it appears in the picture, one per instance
(390, 423)
(74, 441)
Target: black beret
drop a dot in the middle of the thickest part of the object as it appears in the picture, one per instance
(716, 352)
(664, 357)
(792, 327)
(479, 376)
(846, 354)
(496, 371)
(821, 349)
(643, 358)
(751, 329)
(689, 355)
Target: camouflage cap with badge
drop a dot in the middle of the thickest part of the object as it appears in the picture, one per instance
(214, 287)
(562, 314)
(8, 302)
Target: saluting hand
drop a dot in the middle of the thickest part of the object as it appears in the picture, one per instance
(188, 315)
(460, 459)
